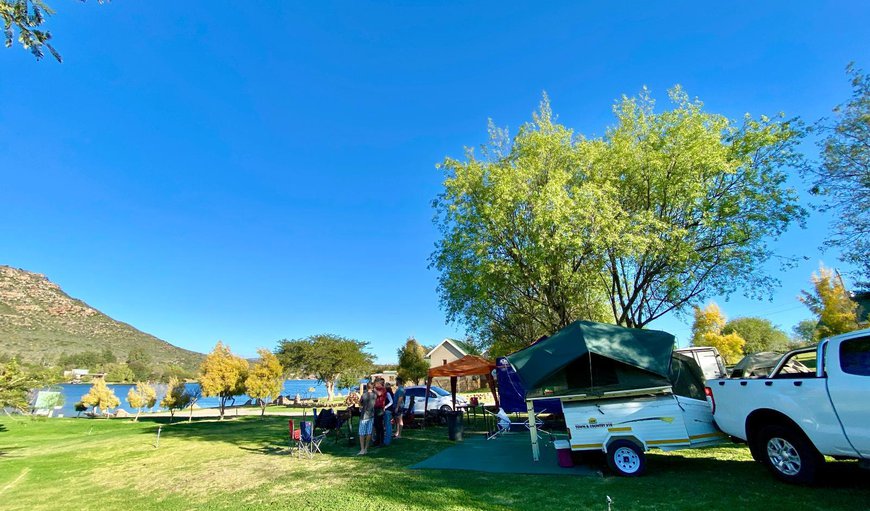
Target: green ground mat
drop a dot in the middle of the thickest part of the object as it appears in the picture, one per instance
(510, 453)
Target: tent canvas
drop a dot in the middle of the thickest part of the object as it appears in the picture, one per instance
(512, 394)
(588, 357)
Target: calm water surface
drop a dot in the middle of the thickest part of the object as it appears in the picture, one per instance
(73, 393)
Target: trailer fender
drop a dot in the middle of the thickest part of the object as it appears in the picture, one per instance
(631, 438)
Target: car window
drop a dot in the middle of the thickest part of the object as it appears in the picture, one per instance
(855, 356)
(439, 391)
(413, 392)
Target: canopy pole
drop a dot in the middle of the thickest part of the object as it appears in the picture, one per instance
(533, 430)
(453, 390)
(426, 399)
(491, 381)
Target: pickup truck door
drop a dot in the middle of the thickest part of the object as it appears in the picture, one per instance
(848, 368)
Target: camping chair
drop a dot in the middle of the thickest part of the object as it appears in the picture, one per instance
(503, 424)
(328, 422)
(308, 443)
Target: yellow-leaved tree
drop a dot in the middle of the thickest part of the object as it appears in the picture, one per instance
(831, 303)
(707, 331)
(175, 398)
(266, 379)
(223, 375)
(141, 396)
(101, 396)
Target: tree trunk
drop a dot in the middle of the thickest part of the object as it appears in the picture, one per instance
(190, 416)
(136, 418)
(223, 404)
(330, 390)
(263, 408)
(171, 415)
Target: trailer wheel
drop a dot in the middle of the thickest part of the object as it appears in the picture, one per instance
(788, 454)
(626, 458)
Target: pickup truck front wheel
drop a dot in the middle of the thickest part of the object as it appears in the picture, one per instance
(788, 455)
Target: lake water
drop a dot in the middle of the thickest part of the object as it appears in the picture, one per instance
(73, 393)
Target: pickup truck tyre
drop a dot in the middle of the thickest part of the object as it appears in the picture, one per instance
(788, 454)
(626, 458)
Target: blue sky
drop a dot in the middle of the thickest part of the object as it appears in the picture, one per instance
(251, 171)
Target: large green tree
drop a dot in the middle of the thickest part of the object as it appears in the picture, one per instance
(666, 209)
(326, 357)
(521, 228)
(843, 177)
(759, 333)
(413, 366)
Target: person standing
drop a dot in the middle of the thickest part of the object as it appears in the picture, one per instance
(389, 408)
(399, 406)
(366, 417)
(380, 403)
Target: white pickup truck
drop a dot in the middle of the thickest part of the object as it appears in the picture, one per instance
(815, 403)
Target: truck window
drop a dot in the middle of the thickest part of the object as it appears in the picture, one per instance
(855, 356)
(799, 365)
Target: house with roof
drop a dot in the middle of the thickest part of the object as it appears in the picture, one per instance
(449, 350)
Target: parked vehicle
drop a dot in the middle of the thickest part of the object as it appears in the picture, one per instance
(626, 425)
(439, 399)
(708, 358)
(621, 390)
(813, 404)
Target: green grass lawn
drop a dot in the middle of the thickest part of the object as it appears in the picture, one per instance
(240, 463)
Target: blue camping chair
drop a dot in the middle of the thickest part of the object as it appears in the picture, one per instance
(308, 443)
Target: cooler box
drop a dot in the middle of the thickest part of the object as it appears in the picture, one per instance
(563, 453)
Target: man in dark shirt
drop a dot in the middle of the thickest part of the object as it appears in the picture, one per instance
(366, 419)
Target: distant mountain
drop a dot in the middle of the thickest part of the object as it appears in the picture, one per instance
(39, 322)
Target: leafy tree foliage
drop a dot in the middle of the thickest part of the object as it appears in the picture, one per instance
(804, 332)
(266, 379)
(707, 331)
(223, 374)
(15, 384)
(831, 303)
(119, 372)
(27, 17)
(759, 333)
(92, 360)
(666, 209)
(139, 362)
(101, 396)
(326, 357)
(843, 177)
(141, 396)
(412, 362)
(175, 398)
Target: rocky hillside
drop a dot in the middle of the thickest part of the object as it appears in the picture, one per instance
(39, 322)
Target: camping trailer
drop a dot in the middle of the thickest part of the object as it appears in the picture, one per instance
(622, 391)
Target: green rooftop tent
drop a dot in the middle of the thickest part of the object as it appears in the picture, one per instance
(590, 358)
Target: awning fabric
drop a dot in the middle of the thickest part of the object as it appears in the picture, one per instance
(465, 366)
(586, 355)
(468, 365)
